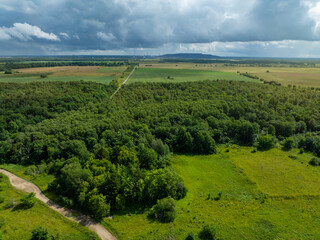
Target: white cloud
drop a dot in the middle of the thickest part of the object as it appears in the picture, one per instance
(106, 37)
(64, 35)
(4, 35)
(25, 31)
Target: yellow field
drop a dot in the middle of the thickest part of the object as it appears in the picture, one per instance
(75, 71)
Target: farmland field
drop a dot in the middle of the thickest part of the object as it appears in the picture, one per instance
(307, 77)
(67, 73)
(17, 224)
(182, 75)
(265, 195)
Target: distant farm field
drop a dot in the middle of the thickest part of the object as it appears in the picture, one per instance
(66, 73)
(182, 75)
(265, 195)
(307, 77)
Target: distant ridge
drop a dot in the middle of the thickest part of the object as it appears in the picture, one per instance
(189, 56)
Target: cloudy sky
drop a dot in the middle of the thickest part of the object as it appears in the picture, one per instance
(256, 28)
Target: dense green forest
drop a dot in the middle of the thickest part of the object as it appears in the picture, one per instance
(108, 154)
(18, 65)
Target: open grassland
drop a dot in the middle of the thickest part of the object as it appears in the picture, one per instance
(307, 77)
(265, 195)
(182, 75)
(17, 224)
(66, 73)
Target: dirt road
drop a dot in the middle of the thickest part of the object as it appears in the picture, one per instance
(124, 82)
(82, 219)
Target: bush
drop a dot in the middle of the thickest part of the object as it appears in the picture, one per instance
(190, 236)
(288, 144)
(164, 211)
(208, 232)
(265, 142)
(28, 200)
(2, 198)
(40, 233)
(314, 162)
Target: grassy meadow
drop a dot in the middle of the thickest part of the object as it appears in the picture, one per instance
(17, 224)
(265, 195)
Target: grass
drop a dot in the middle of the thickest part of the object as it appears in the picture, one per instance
(102, 75)
(258, 202)
(182, 75)
(18, 224)
(265, 195)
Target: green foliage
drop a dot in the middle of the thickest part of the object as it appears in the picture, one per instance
(288, 144)
(314, 162)
(190, 236)
(208, 232)
(265, 142)
(40, 233)
(164, 211)
(28, 201)
(98, 206)
(121, 147)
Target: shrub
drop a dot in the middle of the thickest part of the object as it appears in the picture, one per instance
(12, 203)
(265, 142)
(28, 200)
(40, 233)
(190, 236)
(288, 144)
(165, 210)
(208, 232)
(1, 198)
(314, 162)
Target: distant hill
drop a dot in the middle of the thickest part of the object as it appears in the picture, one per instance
(189, 56)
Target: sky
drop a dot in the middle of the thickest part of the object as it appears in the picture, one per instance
(245, 28)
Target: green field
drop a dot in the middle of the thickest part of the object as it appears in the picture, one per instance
(182, 75)
(265, 195)
(17, 224)
(102, 75)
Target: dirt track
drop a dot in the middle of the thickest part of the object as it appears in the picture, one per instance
(84, 220)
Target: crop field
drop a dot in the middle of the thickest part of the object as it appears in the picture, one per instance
(265, 195)
(66, 73)
(17, 224)
(182, 75)
(307, 77)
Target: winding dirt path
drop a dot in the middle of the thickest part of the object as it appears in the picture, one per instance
(82, 219)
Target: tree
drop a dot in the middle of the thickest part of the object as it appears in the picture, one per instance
(265, 142)
(40, 233)
(147, 157)
(208, 232)
(165, 210)
(288, 144)
(98, 206)
(315, 162)
(28, 200)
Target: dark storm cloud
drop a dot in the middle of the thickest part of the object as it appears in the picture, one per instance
(62, 25)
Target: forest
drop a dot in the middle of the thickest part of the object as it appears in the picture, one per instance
(110, 155)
